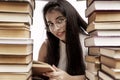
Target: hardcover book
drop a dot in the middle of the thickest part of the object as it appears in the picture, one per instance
(111, 52)
(15, 59)
(15, 67)
(15, 75)
(94, 51)
(92, 59)
(103, 26)
(91, 76)
(104, 16)
(106, 5)
(13, 25)
(31, 2)
(39, 67)
(105, 33)
(93, 67)
(16, 17)
(17, 7)
(15, 33)
(110, 62)
(16, 46)
(105, 41)
(115, 73)
(104, 76)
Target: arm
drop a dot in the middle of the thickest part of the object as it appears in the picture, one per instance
(43, 52)
(59, 74)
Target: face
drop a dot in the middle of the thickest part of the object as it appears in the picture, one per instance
(57, 24)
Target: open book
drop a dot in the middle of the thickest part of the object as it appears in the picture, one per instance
(39, 67)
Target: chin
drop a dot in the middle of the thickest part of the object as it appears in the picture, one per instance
(62, 39)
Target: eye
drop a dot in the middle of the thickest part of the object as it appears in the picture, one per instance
(50, 24)
(60, 20)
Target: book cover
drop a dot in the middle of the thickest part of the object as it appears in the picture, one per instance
(92, 67)
(111, 52)
(16, 46)
(92, 59)
(106, 41)
(105, 33)
(15, 67)
(39, 67)
(115, 73)
(110, 62)
(104, 76)
(104, 16)
(103, 26)
(91, 76)
(15, 32)
(110, 5)
(16, 17)
(13, 25)
(94, 51)
(15, 75)
(31, 2)
(15, 59)
(17, 7)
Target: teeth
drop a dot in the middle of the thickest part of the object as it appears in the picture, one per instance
(60, 33)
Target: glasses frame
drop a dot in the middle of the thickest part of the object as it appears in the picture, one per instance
(59, 23)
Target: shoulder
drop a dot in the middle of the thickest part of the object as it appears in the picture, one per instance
(43, 51)
(82, 38)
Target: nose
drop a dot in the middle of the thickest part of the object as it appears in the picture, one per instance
(56, 27)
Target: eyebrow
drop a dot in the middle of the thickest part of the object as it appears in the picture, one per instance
(55, 19)
(59, 17)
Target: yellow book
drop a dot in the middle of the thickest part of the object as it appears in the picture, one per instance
(15, 59)
(16, 17)
(15, 33)
(104, 16)
(17, 7)
(39, 67)
(15, 75)
(16, 46)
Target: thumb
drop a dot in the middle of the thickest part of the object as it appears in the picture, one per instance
(56, 69)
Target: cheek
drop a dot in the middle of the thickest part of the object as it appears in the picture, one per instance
(64, 28)
(53, 33)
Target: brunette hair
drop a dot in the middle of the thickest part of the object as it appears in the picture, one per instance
(74, 25)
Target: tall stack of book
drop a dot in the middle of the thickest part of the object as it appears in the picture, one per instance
(104, 40)
(16, 45)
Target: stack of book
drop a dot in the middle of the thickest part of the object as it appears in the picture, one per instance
(16, 45)
(104, 40)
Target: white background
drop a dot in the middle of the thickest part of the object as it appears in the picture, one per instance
(38, 28)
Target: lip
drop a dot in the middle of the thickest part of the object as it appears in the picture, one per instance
(60, 34)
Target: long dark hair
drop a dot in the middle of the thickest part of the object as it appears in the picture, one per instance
(74, 25)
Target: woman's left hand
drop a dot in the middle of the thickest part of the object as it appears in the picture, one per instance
(58, 74)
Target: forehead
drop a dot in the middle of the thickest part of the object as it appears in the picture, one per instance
(52, 15)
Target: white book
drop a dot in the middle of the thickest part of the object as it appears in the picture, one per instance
(103, 6)
(16, 46)
(103, 41)
(16, 17)
(15, 68)
(16, 41)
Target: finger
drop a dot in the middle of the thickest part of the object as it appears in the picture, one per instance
(52, 79)
(56, 78)
(50, 74)
(55, 67)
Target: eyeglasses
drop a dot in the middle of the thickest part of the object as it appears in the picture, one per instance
(60, 21)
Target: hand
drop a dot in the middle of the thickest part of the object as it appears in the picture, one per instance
(58, 74)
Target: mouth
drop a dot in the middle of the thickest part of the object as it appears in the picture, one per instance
(60, 34)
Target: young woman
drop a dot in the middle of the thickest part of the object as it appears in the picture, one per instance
(64, 46)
